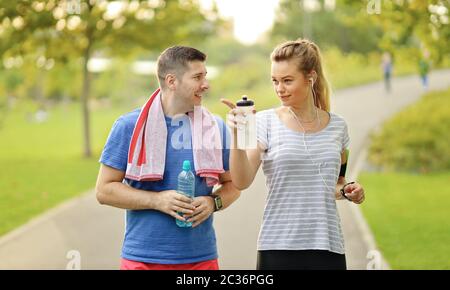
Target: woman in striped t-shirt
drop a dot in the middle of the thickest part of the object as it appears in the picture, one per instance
(303, 149)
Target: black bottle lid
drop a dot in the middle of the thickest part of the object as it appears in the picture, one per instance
(245, 102)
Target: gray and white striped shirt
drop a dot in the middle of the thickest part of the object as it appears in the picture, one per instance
(300, 211)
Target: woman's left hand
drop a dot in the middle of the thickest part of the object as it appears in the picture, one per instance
(355, 192)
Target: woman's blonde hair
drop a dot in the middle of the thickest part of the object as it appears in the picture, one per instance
(308, 58)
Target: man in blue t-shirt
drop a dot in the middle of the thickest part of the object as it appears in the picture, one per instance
(152, 238)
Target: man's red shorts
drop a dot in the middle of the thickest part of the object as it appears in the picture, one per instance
(134, 265)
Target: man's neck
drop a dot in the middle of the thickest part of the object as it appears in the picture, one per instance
(171, 104)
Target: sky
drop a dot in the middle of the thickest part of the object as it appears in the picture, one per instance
(251, 17)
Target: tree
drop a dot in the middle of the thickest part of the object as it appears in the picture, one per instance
(421, 23)
(412, 23)
(76, 29)
(326, 25)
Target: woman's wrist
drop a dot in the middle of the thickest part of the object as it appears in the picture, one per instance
(342, 190)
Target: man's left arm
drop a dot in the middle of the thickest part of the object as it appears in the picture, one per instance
(205, 206)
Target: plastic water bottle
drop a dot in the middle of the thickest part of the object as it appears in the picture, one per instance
(246, 134)
(186, 186)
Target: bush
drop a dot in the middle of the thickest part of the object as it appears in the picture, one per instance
(417, 138)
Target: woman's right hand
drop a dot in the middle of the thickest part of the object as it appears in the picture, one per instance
(244, 163)
(235, 116)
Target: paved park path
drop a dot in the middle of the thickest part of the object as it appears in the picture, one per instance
(81, 228)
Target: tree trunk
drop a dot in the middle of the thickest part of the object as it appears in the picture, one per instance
(85, 104)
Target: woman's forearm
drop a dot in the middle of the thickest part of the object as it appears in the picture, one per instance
(341, 182)
(240, 169)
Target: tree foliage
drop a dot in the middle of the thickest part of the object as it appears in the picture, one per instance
(326, 25)
(61, 31)
(423, 24)
(58, 30)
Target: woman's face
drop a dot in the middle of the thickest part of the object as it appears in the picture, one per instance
(290, 85)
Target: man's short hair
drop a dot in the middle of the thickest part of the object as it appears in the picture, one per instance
(175, 59)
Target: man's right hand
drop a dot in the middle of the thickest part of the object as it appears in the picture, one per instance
(171, 202)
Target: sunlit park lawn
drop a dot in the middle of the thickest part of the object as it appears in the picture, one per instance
(408, 215)
(41, 163)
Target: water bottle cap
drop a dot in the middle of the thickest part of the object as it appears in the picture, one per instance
(245, 102)
(186, 165)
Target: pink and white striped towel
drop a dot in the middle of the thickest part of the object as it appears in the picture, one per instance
(147, 152)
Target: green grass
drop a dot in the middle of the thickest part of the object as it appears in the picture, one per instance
(51, 182)
(42, 164)
(409, 216)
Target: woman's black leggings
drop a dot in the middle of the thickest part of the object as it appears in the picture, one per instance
(300, 260)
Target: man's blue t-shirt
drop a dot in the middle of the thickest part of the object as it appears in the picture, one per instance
(152, 236)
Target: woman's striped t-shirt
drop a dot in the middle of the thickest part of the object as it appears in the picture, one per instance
(300, 211)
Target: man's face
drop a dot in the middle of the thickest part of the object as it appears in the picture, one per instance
(193, 84)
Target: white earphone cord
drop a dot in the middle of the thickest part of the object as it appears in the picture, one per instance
(304, 139)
